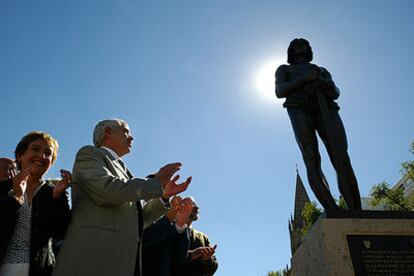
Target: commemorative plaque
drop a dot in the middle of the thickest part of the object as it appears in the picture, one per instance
(382, 254)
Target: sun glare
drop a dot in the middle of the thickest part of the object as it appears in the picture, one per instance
(265, 78)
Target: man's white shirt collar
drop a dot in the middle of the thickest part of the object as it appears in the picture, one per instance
(113, 153)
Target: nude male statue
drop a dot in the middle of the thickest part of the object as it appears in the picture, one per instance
(310, 102)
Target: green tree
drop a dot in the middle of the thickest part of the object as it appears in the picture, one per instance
(394, 200)
(341, 203)
(408, 166)
(274, 273)
(284, 272)
(310, 215)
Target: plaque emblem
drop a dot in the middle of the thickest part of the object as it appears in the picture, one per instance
(367, 244)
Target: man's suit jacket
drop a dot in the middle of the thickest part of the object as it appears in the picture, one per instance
(103, 237)
(196, 267)
(162, 247)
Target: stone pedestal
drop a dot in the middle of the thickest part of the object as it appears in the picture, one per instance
(362, 243)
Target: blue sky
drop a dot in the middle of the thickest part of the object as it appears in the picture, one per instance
(194, 79)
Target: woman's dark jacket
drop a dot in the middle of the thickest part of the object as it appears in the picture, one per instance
(50, 219)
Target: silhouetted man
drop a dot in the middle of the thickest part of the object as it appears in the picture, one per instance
(310, 102)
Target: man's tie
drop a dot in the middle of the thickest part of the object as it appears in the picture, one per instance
(140, 220)
(139, 205)
(120, 162)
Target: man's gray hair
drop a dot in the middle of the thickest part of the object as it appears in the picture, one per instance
(99, 131)
(192, 199)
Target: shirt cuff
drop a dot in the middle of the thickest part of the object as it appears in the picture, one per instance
(181, 229)
(165, 203)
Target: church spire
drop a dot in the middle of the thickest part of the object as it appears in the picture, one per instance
(301, 198)
(296, 222)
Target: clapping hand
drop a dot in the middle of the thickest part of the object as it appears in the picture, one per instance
(62, 184)
(184, 211)
(12, 171)
(172, 188)
(165, 174)
(20, 183)
(173, 211)
(204, 253)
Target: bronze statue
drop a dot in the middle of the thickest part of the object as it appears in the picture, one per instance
(310, 102)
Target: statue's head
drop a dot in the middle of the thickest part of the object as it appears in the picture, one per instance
(299, 46)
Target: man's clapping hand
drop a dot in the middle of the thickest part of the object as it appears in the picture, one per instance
(168, 182)
(203, 253)
(184, 211)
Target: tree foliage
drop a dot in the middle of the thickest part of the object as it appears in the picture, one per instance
(389, 199)
(310, 215)
(342, 203)
(408, 166)
(284, 272)
(393, 199)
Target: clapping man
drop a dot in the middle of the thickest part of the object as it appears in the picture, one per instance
(166, 241)
(201, 260)
(105, 234)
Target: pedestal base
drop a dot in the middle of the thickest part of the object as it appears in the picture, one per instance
(363, 243)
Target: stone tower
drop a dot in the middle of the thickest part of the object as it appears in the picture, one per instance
(296, 222)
